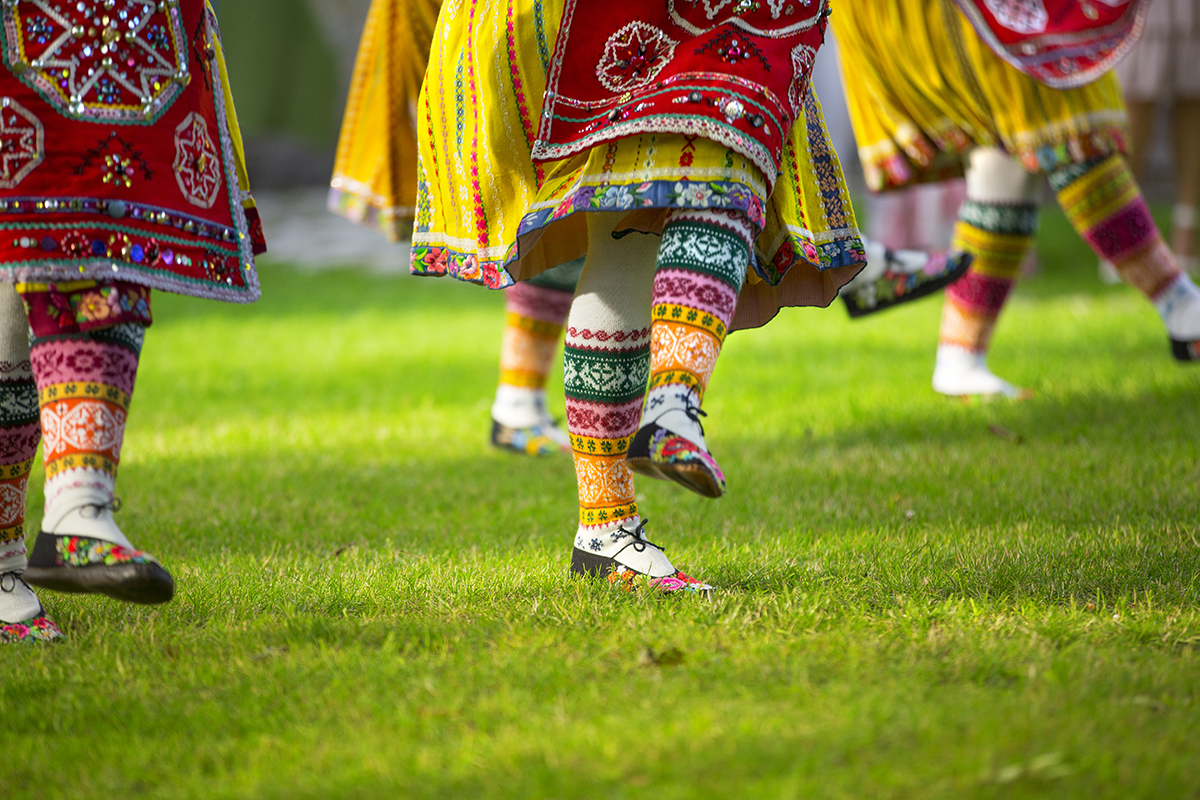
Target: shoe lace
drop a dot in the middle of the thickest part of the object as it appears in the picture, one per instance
(113, 505)
(691, 407)
(9, 581)
(640, 542)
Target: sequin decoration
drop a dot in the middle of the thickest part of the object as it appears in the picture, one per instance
(197, 163)
(22, 142)
(633, 56)
(106, 61)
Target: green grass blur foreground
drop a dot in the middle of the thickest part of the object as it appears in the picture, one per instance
(919, 597)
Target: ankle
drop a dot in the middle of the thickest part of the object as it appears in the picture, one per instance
(84, 510)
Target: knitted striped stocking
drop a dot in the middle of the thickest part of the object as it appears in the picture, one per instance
(19, 436)
(85, 382)
(606, 360)
(533, 324)
(996, 225)
(702, 263)
(1104, 204)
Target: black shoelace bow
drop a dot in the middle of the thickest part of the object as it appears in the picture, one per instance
(690, 407)
(10, 585)
(639, 537)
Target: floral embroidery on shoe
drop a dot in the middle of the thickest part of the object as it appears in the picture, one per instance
(79, 551)
(670, 449)
(627, 580)
(532, 441)
(680, 583)
(39, 629)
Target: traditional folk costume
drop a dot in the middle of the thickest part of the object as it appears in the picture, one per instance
(1003, 90)
(121, 173)
(551, 129)
(375, 184)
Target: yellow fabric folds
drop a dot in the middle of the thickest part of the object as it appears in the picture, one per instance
(374, 179)
(923, 88)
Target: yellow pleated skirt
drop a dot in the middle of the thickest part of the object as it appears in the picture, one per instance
(487, 213)
(375, 172)
(923, 88)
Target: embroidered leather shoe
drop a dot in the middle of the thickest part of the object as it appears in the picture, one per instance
(537, 440)
(626, 558)
(80, 565)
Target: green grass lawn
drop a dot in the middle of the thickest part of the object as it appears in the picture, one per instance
(919, 597)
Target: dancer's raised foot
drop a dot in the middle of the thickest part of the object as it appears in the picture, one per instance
(962, 373)
(22, 619)
(671, 445)
(88, 554)
(621, 554)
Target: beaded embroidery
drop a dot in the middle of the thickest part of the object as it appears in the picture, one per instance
(112, 61)
(78, 551)
(22, 142)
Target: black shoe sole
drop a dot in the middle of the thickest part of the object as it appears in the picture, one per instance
(1185, 351)
(696, 478)
(148, 584)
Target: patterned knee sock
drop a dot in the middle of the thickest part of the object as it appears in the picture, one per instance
(701, 265)
(606, 360)
(998, 236)
(19, 436)
(1104, 204)
(85, 381)
(534, 323)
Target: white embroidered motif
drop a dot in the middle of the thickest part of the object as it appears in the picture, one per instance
(633, 56)
(803, 57)
(1022, 16)
(197, 164)
(22, 142)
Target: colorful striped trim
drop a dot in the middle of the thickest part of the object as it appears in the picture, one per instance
(606, 376)
(1019, 219)
(81, 461)
(589, 517)
(535, 327)
(13, 533)
(685, 315)
(591, 445)
(20, 469)
(80, 390)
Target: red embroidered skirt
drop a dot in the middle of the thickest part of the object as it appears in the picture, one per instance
(733, 71)
(120, 159)
(1062, 43)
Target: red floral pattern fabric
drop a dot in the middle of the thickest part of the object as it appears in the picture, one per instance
(1062, 43)
(120, 154)
(733, 71)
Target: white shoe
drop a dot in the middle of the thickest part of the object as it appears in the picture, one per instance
(960, 372)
